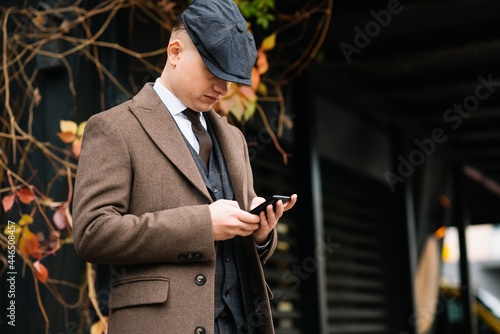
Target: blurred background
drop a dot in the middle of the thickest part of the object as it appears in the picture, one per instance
(383, 116)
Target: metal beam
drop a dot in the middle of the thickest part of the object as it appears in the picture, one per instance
(314, 289)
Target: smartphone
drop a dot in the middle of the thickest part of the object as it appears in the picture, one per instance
(272, 200)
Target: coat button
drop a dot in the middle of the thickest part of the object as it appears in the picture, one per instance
(199, 330)
(182, 257)
(197, 255)
(200, 280)
(189, 257)
(241, 27)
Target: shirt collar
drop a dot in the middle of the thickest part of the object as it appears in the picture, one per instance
(173, 104)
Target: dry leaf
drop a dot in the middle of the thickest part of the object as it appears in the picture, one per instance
(98, 327)
(59, 218)
(29, 244)
(41, 271)
(81, 128)
(8, 202)
(26, 196)
(68, 126)
(37, 96)
(25, 220)
(65, 26)
(66, 137)
(262, 63)
(255, 78)
(77, 147)
(269, 42)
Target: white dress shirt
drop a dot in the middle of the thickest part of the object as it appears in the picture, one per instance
(176, 108)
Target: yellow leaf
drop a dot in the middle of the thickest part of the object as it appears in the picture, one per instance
(269, 42)
(262, 89)
(25, 220)
(249, 111)
(68, 126)
(81, 128)
(13, 230)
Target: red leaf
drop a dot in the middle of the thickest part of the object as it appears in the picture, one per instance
(60, 218)
(26, 196)
(41, 271)
(8, 202)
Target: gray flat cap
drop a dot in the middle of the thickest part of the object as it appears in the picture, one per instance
(220, 34)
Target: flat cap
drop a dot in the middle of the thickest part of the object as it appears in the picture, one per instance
(220, 34)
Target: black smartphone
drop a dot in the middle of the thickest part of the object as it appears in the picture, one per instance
(272, 200)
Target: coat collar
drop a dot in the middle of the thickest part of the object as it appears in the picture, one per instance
(162, 129)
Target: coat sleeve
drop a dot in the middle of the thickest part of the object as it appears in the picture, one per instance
(104, 231)
(267, 252)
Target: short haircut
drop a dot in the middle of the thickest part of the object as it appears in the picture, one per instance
(178, 24)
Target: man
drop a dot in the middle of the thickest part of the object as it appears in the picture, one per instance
(166, 204)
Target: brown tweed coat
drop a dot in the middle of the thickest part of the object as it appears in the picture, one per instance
(140, 204)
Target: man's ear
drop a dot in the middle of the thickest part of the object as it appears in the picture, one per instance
(173, 51)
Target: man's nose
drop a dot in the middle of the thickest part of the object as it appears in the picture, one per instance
(221, 86)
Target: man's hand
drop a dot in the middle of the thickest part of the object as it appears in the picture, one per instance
(269, 218)
(228, 220)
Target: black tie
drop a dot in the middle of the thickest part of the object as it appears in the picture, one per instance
(200, 133)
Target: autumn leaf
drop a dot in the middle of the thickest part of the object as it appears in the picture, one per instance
(262, 89)
(269, 42)
(37, 97)
(60, 218)
(68, 126)
(65, 26)
(25, 220)
(262, 63)
(68, 132)
(47, 201)
(99, 327)
(8, 202)
(72, 133)
(29, 244)
(81, 129)
(255, 78)
(41, 271)
(249, 110)
(66, 137)
(26, 195)
(17, 231)
(77, 147)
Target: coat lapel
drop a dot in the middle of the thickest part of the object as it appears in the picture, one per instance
(162, 129)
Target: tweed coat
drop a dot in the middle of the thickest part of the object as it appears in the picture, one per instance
(140, 204)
